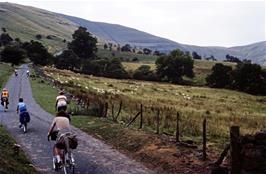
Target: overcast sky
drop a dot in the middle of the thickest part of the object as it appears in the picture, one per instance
(204, 23)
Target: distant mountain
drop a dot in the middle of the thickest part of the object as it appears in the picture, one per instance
(26, 22)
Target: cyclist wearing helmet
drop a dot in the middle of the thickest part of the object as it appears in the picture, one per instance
(61, 102)
(4, 96)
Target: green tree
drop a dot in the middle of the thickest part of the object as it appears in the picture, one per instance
(83, 44)
(5, 39)
(220, 76)
(249, 78)
(126, 48)
(37, 53)
(13, 55)
(174, 66)
(195, 55)
(144, 72)
(67, 60)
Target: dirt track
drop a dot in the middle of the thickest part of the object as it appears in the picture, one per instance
(92, 156)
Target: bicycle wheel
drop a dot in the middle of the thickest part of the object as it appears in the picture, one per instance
(25, 127)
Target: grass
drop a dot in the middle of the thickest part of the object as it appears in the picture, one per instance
(201, 68)
(222, 108)
(153, 150)
(10, 162)
(43, 93)
(124, 55)
(5, 72)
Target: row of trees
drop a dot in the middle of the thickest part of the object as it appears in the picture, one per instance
(80, 57)
(246, 77)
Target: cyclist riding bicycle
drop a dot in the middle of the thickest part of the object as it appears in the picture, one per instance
(4, 96)
(59, 127)
(28, 73)
(16, 72)
(61, 102)
(23, 114)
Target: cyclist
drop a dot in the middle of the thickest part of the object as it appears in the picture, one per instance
(16, 72)
(58, 128)
(22, 110)
(61, 101)
(4, 96)
(28, 73)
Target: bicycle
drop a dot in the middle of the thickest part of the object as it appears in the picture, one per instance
(67, 157)
(24, 119)
(5, 104)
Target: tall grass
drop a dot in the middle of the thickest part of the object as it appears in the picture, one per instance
(221, 107)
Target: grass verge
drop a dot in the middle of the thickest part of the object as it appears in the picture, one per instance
(10, 162)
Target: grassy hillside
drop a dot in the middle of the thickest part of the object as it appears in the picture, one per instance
(25, 22)
(221, 107)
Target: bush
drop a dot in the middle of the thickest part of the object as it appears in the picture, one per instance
(220, 76)
(171, 68)
(37, 53)
(144, 73)
(13, 55)
(67, 60)
(249, 78)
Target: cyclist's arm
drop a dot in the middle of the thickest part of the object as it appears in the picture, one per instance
(51, 128)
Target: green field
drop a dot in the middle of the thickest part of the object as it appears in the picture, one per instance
(10, 162)
(5, 72)
(125, 55)
(221, 107)
(201, 69)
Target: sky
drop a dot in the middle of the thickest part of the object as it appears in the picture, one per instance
(204, 23)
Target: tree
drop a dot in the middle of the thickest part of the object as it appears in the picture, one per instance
(249, 78)
(126, 48)
(105, 67)
(37, 53)
(232, 59)
(172, 67)
(13, 55)
(67, 60)
(4, 29)
(5, 39)
(115, 69)
(105, 46)
(83, 44)
(144, 72)
(195, 55)
(220, 76)
(38, 36)
(146, 51)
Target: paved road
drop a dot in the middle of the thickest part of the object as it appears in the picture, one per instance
(92, 156)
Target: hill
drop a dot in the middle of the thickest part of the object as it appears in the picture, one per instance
(25, 22)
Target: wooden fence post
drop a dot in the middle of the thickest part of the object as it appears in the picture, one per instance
(106, 110)
(177, 133)
(158, 122)
(235, 150)
(204, 139)
(141, 117)
(112, 108)
(119, 110)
